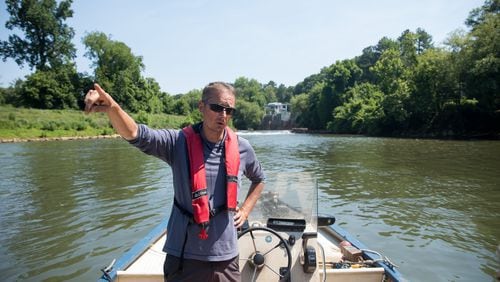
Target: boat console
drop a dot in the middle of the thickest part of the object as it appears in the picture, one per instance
(279, 243)
(287, 240)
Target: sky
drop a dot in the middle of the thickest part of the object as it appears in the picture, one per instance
(185, 44)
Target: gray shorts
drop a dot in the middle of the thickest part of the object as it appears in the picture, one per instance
(196, 270)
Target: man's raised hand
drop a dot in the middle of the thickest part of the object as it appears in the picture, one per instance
(97, 100)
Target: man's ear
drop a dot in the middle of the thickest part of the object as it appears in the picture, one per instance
(200, 106)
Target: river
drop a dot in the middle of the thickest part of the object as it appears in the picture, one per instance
(432, 206)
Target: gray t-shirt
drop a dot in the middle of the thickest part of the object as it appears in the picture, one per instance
(170, 146)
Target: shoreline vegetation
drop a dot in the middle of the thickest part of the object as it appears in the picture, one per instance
(28, 125)
(61, 138)
(34, 125)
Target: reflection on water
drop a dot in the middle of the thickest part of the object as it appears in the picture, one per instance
(69, 208)
(427, 204)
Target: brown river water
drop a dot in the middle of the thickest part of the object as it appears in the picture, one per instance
(67, 208)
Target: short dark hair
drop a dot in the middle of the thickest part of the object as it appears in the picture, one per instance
(216, 87)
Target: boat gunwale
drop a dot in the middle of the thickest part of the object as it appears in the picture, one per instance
(342, 234)
(139, 248)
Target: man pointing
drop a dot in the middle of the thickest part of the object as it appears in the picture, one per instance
(208, 161)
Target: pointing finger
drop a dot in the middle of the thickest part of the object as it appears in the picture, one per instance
(98, 88)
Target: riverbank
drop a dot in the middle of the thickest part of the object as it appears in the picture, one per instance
(442, 136)
(28, 125)
(62, 138)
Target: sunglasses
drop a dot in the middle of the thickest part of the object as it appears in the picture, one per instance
(218, 109)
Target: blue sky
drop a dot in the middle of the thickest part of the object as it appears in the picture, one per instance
(186, 44)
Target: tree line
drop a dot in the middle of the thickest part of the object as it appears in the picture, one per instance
(398, 87)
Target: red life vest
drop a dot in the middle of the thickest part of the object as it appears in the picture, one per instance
(199, 192)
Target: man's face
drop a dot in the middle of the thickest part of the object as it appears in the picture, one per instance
(216, 110)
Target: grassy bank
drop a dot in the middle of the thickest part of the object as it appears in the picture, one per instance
(19, 123)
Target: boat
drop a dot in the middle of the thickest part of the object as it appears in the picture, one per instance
(285, 239)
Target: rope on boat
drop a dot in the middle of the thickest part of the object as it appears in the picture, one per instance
(382, 258)
(107, 270)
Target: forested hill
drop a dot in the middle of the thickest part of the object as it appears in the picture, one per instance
(405, 86)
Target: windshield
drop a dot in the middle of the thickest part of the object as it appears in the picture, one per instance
(288, 196)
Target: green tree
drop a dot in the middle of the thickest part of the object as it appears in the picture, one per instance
(48, 89)
(338, 78)
(284, 94)
(482, 62)
(192, 98)
(270, 90)
(478, 15)
(47, 39)
(309, 82)
(46, 47)
(299, 104)
(391, 74)
(424, 41)
(167, 102)
(408, 46)
(433, 84)
(181, 107)
(371, 55)
(311, 117)
(250, 90)
(362, 112)
(248, 115)
(118, 70)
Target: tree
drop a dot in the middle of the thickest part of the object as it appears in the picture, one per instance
(50, 89)
(392, 73)
(478, 15)
(250, 90)
(338, 78)
(362, 111)
(248, 115)
(482, 62)
(424, 41)
(311, 117)
(408, 46)
(483, 56)
(118, 70)
(434, 82)
(45, 47)
(47, 39)
(181, 107)
(284, 94)
(371, 55)
(269, 90)
(308, 83)
(299, 104)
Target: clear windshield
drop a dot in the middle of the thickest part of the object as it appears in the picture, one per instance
(289, 196)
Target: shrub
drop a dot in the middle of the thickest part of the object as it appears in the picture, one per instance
(50, 126)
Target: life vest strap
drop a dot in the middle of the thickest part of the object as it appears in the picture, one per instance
(232, 178)
(213, 212)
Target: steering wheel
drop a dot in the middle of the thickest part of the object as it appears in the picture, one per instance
(261, 257)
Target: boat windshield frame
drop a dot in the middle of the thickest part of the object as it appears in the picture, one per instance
(288, 195)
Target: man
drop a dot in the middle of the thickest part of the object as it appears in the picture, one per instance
(207, 161)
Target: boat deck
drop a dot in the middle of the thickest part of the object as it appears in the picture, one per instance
(149, 266)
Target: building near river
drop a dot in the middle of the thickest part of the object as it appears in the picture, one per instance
(277, 116)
